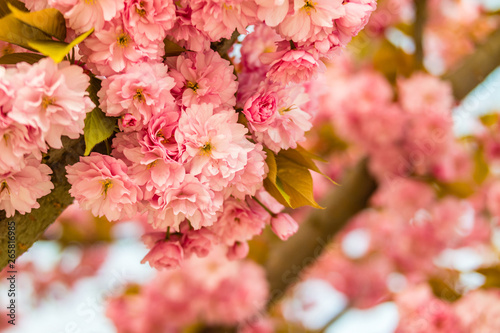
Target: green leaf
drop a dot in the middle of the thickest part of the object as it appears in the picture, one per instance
(276, 191)
(16, 32)
(14, 58)
(297, 183)
(48, 20)
(97, 128)
(58, 50)
(93, 89)
(172, 49)
(303, 158)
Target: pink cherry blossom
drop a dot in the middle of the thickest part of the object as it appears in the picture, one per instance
(164, 254)
(148, 20)
(20, 190)
(479, 311)
(424, 93)
(215, 145)
(272, 12)
(198, 242)
(83, 15)
(238, 222)
(185, 33)
(191, 200)
(141, 92)
(249, 180)
(308, 18)
(52, 98)
(100, 183)
(219, 18)
(420, 311)
(289, 123)
(238, 251)
(203, 78)
(262, 40)
(112, 49)
(36, 5)
(284, 226)
(292, 65)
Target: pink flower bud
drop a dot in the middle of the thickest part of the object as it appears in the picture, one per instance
(239, 250)
(284, 226)
(166, 254)
(129, 120)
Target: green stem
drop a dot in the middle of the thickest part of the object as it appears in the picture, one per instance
(264, 206)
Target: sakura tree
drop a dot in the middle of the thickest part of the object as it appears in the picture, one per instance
(201, 121)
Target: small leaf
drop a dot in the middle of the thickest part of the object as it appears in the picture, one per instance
(93, 89)
(303, 158)
(172, 49)
(97, 128)
(277, 192)
(14, 58)
(297, 183)
(48, 20)
(16, 32)
(58, 50)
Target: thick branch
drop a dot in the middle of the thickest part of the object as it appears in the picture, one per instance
(476, 67)
(418, 31)
(30, 227)
(288, 259)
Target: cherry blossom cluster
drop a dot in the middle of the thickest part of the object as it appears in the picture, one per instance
(193, 136)
(209, 291)
(194, 128)
(39, 104)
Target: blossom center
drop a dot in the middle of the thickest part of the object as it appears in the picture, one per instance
(90, 2)
(308, 6)
(139, 95)
(123, 40)
(192, 85)
(206, 149)
(140, 9)
(106, 185)
(4, 186)
(152, 164)
(46, 101)
(283, 110)
(160, 134)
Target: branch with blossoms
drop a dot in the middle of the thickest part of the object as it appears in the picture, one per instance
(208, 153)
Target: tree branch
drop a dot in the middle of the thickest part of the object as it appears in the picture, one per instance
(30, 227)
(289, 258)
(418, 31)
(476, 67)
